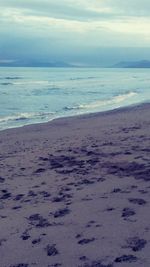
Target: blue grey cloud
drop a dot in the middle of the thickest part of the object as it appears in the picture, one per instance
(81, 9)
(74, 31)
(56, 9)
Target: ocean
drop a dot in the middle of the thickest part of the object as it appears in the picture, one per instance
(34, 95)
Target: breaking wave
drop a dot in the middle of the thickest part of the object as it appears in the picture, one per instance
(31, 82)
(101, 103)
(26, 116)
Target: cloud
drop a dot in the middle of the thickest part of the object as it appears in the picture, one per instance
(130, 8)
(81, 10)
(48, 28)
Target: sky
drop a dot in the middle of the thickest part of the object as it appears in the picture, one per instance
(82, 32)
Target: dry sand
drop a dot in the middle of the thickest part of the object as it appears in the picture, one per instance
(75, 192)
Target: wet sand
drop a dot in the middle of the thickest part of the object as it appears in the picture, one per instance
(75, 192)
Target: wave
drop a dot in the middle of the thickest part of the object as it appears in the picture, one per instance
(101, 103)
(26, 116)
(13, 78)
(31, 82)
(38, 92)
(6, 83)
(83, 78)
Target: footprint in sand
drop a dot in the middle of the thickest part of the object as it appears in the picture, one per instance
(51, 250)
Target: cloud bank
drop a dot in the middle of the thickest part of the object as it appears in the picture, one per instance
(71, 30)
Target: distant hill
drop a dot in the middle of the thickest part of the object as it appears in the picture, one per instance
(133, 64)
(56, 64)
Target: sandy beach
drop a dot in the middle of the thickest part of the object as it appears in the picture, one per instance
(75, 192)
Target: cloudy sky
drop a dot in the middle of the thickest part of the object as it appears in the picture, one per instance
(86, 32)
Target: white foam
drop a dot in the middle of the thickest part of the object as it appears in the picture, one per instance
(25, 116)
(31, 82)
(101, 103)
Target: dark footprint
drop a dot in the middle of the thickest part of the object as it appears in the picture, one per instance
(83, 258)
(32, 194)
(86, 241)
(143, 191)
(78, 236)
(116, 190)
(90, 224)
(44, 159)
(136, 244)
(2, 179)
(19, 197)
(25, 236)
(126, 258)
(87, 182)
(138, 201)
(55, 265)
(38, 221)
(6, 196)
(51, 250)
(110, 209)
(58, 199)
(2, 241)
(22, 169)
(20, 265)
(16, 207)
(39, 170)
(127, 212)
(36, 241)
(61, 212)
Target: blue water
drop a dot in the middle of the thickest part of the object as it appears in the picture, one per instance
(32, 95)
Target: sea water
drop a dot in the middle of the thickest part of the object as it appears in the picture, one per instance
(34, 95)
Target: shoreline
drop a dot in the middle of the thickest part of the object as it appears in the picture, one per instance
(86, 115)
(75, 191)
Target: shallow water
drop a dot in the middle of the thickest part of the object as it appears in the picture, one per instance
(32, 95)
